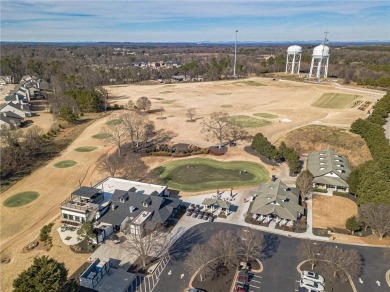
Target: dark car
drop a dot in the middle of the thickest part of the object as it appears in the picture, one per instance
(211, 218)
(242, 277)
(191, 207)
(239, 287)
(206, 216)
(189, 212)
(200, 216)
(195, 214)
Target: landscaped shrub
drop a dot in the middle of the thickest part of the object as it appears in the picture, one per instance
(44, 235)
(342, 194)
(222, 215)
(320, 190)
(160, 153)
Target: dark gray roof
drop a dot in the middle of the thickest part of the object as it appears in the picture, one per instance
(12, 115)
(161, 207)
(10, 121)
(87, 192)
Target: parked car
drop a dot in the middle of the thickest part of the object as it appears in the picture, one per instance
(239, 287)
(206, 216)
(313, 276)
(195, 290)
(309, 284)
(244, 267)
(195, 214)
(191, 207)
(200, 216)
(189, 212)
(115, 238)
(211, 218)
(242, 277)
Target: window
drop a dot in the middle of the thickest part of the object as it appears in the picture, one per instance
(65, 215)
(322, 168)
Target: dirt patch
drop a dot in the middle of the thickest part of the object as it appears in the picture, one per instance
(332, 211)
(315, 138)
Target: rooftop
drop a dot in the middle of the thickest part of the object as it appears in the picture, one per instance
(86, 192)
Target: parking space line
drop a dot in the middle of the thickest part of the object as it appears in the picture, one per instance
(254, 281)
(254, 286)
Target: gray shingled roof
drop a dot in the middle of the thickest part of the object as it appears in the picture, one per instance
(276, 197)
(329, 162)
(161, 207)
(222, 203)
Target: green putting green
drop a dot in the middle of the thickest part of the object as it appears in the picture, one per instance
(265, 115)
(101, 136)
(114, 122)
(20, 199)
(249, 122)
(65, 164)
(86, 149)
(200, 174)
(249, 83)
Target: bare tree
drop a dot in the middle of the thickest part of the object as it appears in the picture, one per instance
(132, 125)
(149, 130)
(237, 132)
(217, 125)
(199, 260)
(377, 217)
(110, 163)
(251, 243)
(116, 133)
(133, 168)
(310, 251)
(343, 261)
(33, 137)
(155, 244)
(191, 112)
(305, 183)
(224, 247)
(143, 103)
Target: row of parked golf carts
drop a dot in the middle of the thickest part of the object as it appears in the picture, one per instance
(195, 211)
(311, 282)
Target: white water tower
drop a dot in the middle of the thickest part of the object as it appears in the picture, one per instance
(320, 60)
(293, 61)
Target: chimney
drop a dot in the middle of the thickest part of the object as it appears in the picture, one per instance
(131, 209)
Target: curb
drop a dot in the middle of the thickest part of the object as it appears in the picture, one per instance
(387, 276)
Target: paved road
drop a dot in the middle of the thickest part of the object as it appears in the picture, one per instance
(282, 260)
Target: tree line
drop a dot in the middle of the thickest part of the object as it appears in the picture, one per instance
(261, 144)
(371, 180)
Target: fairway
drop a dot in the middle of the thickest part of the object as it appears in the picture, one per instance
(20, 199)
(200, 174)
(335, 100)
(249, 122)
(86, 149)
(65, 164)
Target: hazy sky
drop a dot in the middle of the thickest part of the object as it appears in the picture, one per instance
(194, 20)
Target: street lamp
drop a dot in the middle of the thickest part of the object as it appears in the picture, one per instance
(235, 56)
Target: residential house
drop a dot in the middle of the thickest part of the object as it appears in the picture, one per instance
(277, 201)
(102, 275)
(19, 109)
(11, 120)
(329, 169)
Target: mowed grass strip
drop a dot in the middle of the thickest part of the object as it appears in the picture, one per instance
(20, 199)
(335, 100)
(65, 164)
(165, 92)
(101, 136)
(249, 122)
(201, 174)
(85, 149)
(227, 105)
(265, 115)
(168, 101)
(223, 93)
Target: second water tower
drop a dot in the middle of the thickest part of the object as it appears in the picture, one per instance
(293, 61)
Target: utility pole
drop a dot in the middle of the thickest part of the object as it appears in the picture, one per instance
(235, 56)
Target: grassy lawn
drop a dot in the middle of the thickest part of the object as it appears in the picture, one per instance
(65, 164)
(200, 174)
(114, 122)
(265, 115)
(85, 149)
(226, 105)
(101, 136)
(335, 100)
(249, 122)
(20, 199)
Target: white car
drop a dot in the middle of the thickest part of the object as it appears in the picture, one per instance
(313, 276)
(309, 284)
